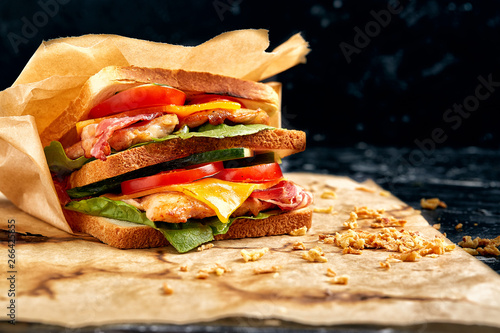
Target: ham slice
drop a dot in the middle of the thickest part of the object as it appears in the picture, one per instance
(107, 127)
(286, 195)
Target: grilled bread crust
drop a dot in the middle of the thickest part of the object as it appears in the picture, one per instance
(281, 141)
(139, 237)
(113, 79)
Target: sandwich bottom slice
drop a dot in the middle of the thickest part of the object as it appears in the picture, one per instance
(129, 235)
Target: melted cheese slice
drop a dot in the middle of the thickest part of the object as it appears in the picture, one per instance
(180, 110)
(222, 196)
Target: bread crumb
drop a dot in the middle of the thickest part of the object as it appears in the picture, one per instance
(410, 256)
(459, 226)
(481, 246)
(324, 210)
(184, 268)
(329, 240)
(267, 270)
(167, 289)
(390, 239)
(315, 254)
(342, 279)
(216, 269)
(385, 193)
(437, 226)
(384, 222)
(298, 232)
(472, 252)
(432, 203)
(475, 224)
(298, 246)
(351, 222)
(328, 194)
(365, 189)
(366, 213)
(385, 265)
(202, 274)
(253, 255)
(330, 272)
(351, 250)
(205, 247)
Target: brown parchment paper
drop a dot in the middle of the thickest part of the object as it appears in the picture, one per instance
(56, 72)
(75, 281)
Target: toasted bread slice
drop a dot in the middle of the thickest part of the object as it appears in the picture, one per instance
(112, 79)
(281, 141)
(127, 235)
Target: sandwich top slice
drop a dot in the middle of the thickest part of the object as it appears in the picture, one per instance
(148, 157)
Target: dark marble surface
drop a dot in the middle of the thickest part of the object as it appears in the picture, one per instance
(386, 71)
(466, 179)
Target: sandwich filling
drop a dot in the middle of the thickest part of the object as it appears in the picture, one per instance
(189, 199)
(157, 111)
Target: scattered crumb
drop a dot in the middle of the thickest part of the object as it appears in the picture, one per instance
(475, 224)
(298, 232)
(351, 222)
(253, 255)
(384, 222)
(216, 269)
(202, 274)
(184, 268)
(351, 250)
(472, 252)
(315, 254)
(410, 256)
(365, 189)
(481, 246)
(432, 203)
(298, 246)
(410, 244)
(205, 247)
(385, 265)
(459, 226)
(329, 240)
(324, 210)
(365, 213)
(342, 279)
(267, 270)
(167, 289)
(328, 194)
(330, 272)
(437, 226)
(385, 193)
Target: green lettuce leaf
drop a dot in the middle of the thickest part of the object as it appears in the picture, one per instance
(60, 163)
(182, 236)
(214, 131)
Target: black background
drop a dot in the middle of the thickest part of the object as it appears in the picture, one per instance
(394, 90)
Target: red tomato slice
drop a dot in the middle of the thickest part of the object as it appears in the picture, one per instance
(205, 98)
(252, 174)
(138, 97)
(178, 176)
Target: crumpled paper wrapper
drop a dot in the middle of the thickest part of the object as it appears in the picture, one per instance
(75, 281)
(56, 72)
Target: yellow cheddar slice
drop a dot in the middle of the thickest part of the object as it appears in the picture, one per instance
(180, 110)
(222, 196)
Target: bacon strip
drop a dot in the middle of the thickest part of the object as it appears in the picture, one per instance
(286, 195)
(107, 127)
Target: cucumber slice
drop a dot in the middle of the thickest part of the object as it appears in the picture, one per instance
(257, 159)
(113, 184)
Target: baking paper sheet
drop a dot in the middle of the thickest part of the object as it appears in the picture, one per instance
(75, 281)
